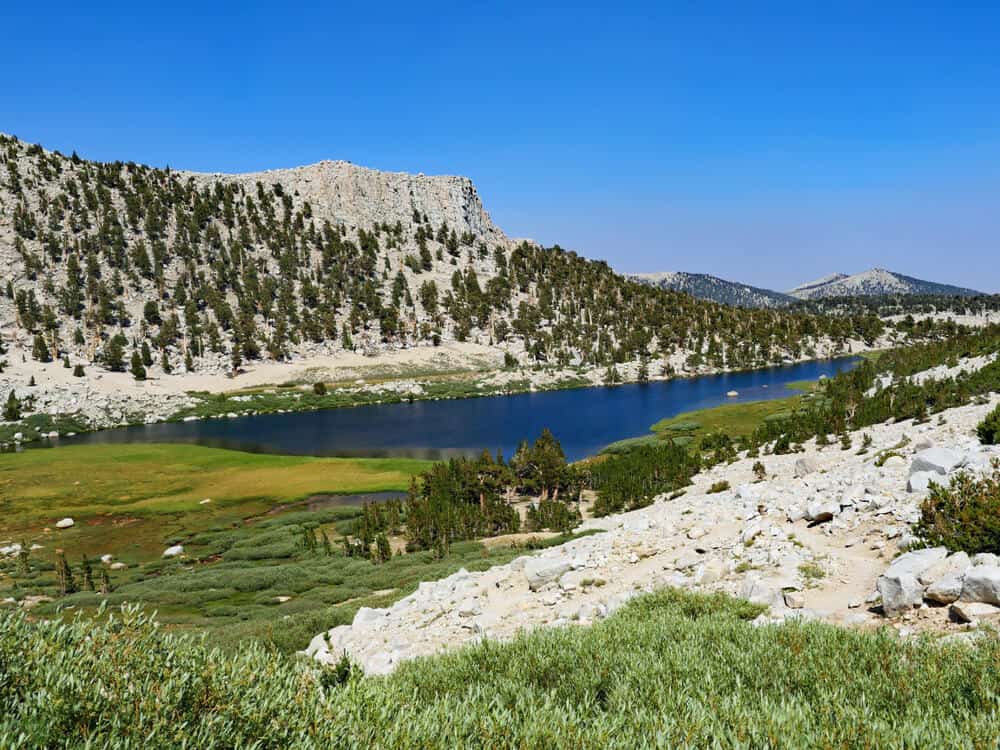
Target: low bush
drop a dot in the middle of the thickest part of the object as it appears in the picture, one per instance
(672, 669)
(965, 515)
(989, 429)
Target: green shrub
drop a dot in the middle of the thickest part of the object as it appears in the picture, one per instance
(671, 669)
(989, 429)
(721, 486)
(965, 515)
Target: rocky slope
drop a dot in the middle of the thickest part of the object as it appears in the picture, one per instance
(704, 286)
(874, 283)
(812, 541)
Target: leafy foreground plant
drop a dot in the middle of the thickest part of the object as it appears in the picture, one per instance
(670, 670)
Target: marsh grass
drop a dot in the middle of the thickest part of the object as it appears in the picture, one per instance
(133, 500)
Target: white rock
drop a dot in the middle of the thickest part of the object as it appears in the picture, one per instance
(982, 584)
(805, 466)
(937, 460)
(696, 532)
(177, 549)
(589, 612)
(712, 571)
(985, 558)
(820, 510)
(367, 616)
(118, 566)
(900, 592)
(750, 532)
(973, 611)
(757, 591)
(795, 599)
(916, 562)
(65, 523)
(920, 481)
(106, 559)
(894, 462)
(946, 589)
(540, 571)
(951, 565)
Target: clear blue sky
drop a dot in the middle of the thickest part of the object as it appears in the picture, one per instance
(769, 142)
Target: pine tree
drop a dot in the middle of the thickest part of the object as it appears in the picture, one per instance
(137, 370)
(12, 409)
(147, 356)
(383, 550)
(40, 350)
(67, 585)
(114, 354)
(22, 559)
(88, 574)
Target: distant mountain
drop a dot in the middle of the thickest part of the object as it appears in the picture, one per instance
(713, 288)
(874, 283)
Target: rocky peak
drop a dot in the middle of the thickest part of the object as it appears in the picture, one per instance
(345, 193)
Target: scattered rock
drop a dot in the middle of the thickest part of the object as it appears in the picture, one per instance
(973, 611)
(541, 571)
(805, 466)
(177, 549)
(916, 562)
(820, 511)
(900, 592)
(894, 462)
(982, 584)
(952, 565)
(65, 523)
(795, 599)
(920, 481)
(938, 460)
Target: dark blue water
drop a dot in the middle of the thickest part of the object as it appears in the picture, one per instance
(584, 419)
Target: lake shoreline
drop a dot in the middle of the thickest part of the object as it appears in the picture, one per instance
(459, 422)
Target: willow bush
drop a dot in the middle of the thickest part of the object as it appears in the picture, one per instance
(672, 669)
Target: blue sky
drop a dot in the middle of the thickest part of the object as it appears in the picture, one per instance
(768, 142)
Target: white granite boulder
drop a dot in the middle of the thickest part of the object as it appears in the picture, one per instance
(541, 571)
(982, 584)
(900, 592)
(938, 460)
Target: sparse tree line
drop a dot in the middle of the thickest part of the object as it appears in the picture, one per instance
(464, 498)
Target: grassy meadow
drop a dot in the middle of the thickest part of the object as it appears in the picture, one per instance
(133, 500)
(246, 573)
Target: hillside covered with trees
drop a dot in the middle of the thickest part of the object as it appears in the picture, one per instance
(126, 265)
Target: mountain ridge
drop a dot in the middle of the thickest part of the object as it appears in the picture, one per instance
(875, 282)
(713, 288)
